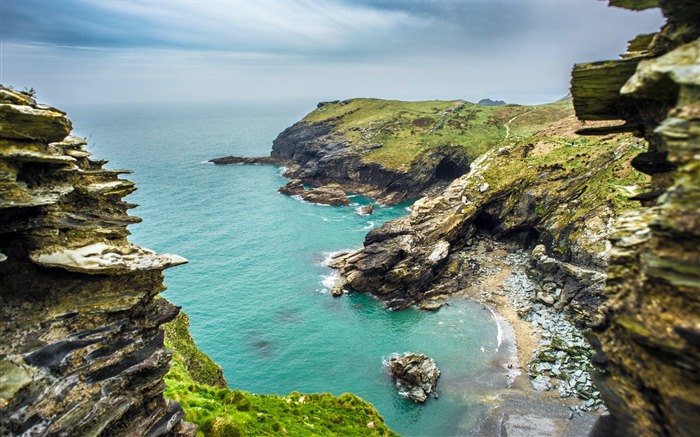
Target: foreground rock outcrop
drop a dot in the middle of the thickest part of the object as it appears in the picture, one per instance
(82, 350)
(415, 374)
(648, 343)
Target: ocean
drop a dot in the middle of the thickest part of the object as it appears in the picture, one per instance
(256, 287)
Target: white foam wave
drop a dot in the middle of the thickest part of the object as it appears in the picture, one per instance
(370, 225)
(328, 281)
(328, 256)
(206, 162)
(499, 334)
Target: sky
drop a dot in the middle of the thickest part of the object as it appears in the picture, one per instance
(114, 51)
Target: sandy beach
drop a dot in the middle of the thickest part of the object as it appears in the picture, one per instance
(522, 410)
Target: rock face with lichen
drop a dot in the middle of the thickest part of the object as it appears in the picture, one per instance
(648, 344)
(82, 350)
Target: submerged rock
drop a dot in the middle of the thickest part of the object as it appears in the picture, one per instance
(415, 374)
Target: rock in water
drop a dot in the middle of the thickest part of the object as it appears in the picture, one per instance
(366, 210)
(417, 374)
(293, 188)
(325, 195)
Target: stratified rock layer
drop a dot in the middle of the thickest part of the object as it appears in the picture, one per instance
(81, 351)
(648, 344)
(551, 192)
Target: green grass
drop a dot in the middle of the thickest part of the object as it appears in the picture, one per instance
(406, 129)
(220, 411)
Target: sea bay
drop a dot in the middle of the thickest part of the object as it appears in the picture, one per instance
(256, 288)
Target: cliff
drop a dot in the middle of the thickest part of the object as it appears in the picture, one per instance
(82, 350)
(553, 188)
(630, 273)
(396, 151)
(648, 348)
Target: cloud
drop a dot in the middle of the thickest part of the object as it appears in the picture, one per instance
(152, 49)
(302, 27)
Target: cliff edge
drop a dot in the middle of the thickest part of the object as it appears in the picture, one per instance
(648, 342)
(82, 350)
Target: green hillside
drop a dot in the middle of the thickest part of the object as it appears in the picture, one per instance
(194, 381)
(405, 129)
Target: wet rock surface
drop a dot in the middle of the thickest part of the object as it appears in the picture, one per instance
(415, 375)
(82, 351)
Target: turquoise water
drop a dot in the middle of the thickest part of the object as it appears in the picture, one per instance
(254, 287)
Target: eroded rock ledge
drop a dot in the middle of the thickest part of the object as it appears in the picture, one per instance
(81, 351)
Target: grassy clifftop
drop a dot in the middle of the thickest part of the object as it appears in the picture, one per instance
(403, 130)
(196, 382)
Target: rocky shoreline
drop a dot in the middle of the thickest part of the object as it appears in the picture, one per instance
(537, 339)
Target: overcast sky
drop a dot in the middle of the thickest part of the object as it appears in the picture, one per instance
(72, 51)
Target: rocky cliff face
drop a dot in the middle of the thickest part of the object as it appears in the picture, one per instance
(554, 189)
(319, 156)
(648, 344)
(81, 351)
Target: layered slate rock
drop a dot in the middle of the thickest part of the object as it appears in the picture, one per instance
(416, 375)
(82, 350)
(648, 344)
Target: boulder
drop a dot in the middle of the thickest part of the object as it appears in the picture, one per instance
(366, 210)
(325, 195)
(415, 374)
(293, 188)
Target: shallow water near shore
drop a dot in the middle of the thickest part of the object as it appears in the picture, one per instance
(256, 289)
